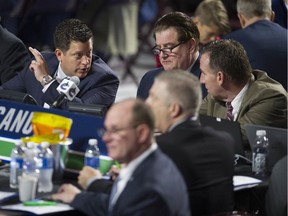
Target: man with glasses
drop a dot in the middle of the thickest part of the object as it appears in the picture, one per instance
(177, 44)
(146, 185)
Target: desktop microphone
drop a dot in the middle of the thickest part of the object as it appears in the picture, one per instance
(67, 89)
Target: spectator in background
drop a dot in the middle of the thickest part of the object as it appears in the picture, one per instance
(264, 41)
(13, 55)
(212, 20)
(177, 44)
(280, 8)
(228, 77)
(204, 156)
(146, 185)
(72, 57)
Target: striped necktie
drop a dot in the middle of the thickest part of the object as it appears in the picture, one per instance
(229, 111)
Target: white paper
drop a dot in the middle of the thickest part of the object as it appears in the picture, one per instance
(39, 209)
(242, 182)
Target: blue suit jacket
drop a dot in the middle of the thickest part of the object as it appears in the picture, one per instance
(148, 79)
(98, 87)
(266, 45)
(155, 188)
(13, 55)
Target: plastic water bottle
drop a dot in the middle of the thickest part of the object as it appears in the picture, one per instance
(31, 162)
(16, 163)
(92, 154)
(46, 161)
(260, 153)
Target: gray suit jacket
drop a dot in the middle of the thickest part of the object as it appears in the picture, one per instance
(265, 103)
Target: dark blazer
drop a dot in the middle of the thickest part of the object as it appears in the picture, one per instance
(148, 79)
(265, 103)
(205, 158)
(266, 45)
(13, 55)
(155, 188)
(98, 87)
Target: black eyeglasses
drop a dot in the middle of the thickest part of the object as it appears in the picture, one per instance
(102, 131)
(166, 50)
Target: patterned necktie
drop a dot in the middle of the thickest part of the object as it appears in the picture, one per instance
(229, 111)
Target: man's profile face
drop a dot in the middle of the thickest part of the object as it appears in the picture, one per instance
(77, 60)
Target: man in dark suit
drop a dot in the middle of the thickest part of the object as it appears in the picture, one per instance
(177, 44)
(203, 155)
(73, 56)
(13, 55)
(146, 185)
(264, 40)
(255, 97)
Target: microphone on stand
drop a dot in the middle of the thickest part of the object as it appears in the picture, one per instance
(68, 89)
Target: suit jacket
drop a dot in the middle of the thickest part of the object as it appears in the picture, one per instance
(265, 103)
(205, 157)
(150, 191)
(98, 87)
(266, 45)
(148, 79)
(13, 55)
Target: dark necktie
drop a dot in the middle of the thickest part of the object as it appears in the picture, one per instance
(229, 111)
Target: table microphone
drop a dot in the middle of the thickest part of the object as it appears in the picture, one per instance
(68, 89)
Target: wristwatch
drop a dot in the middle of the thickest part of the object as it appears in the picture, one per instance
(46, 79)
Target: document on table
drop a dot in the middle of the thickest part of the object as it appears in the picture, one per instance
(242, 182)
(38, 209)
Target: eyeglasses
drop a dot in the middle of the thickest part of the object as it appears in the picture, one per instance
(102, 131)
(165, 50)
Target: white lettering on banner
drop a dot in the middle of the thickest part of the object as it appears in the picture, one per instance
(14, 121)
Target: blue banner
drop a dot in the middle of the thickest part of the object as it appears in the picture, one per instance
(15, 122)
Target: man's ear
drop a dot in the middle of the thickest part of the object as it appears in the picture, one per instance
(143, 133)
(175, 110)
(220, 76)
(58, 54)
(242, 20)
(272, 16)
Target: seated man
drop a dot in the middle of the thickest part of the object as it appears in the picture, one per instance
(73, 56)
(229, 79)
(177, 44)
(264, 40)
(204, 156)
(13, 55)
(146, 185)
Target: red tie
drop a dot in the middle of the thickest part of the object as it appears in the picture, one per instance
(229, 111)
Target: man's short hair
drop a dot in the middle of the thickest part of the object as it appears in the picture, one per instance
(230, 57)
(183, 24)
(71, 30)
(252, 8)
(183, 87)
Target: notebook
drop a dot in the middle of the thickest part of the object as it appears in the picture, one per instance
(231, 127)
(277, 141)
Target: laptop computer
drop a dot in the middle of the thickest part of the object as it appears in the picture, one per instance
(277, 138)
(231, 127)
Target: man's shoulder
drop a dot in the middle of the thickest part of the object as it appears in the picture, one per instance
(153, 73)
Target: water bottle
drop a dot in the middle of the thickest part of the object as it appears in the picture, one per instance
(16, 163)
(31, 162)
(260, 153)
(46, 161)
(92, 154)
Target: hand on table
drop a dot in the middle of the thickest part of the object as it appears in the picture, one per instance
(66, 193)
